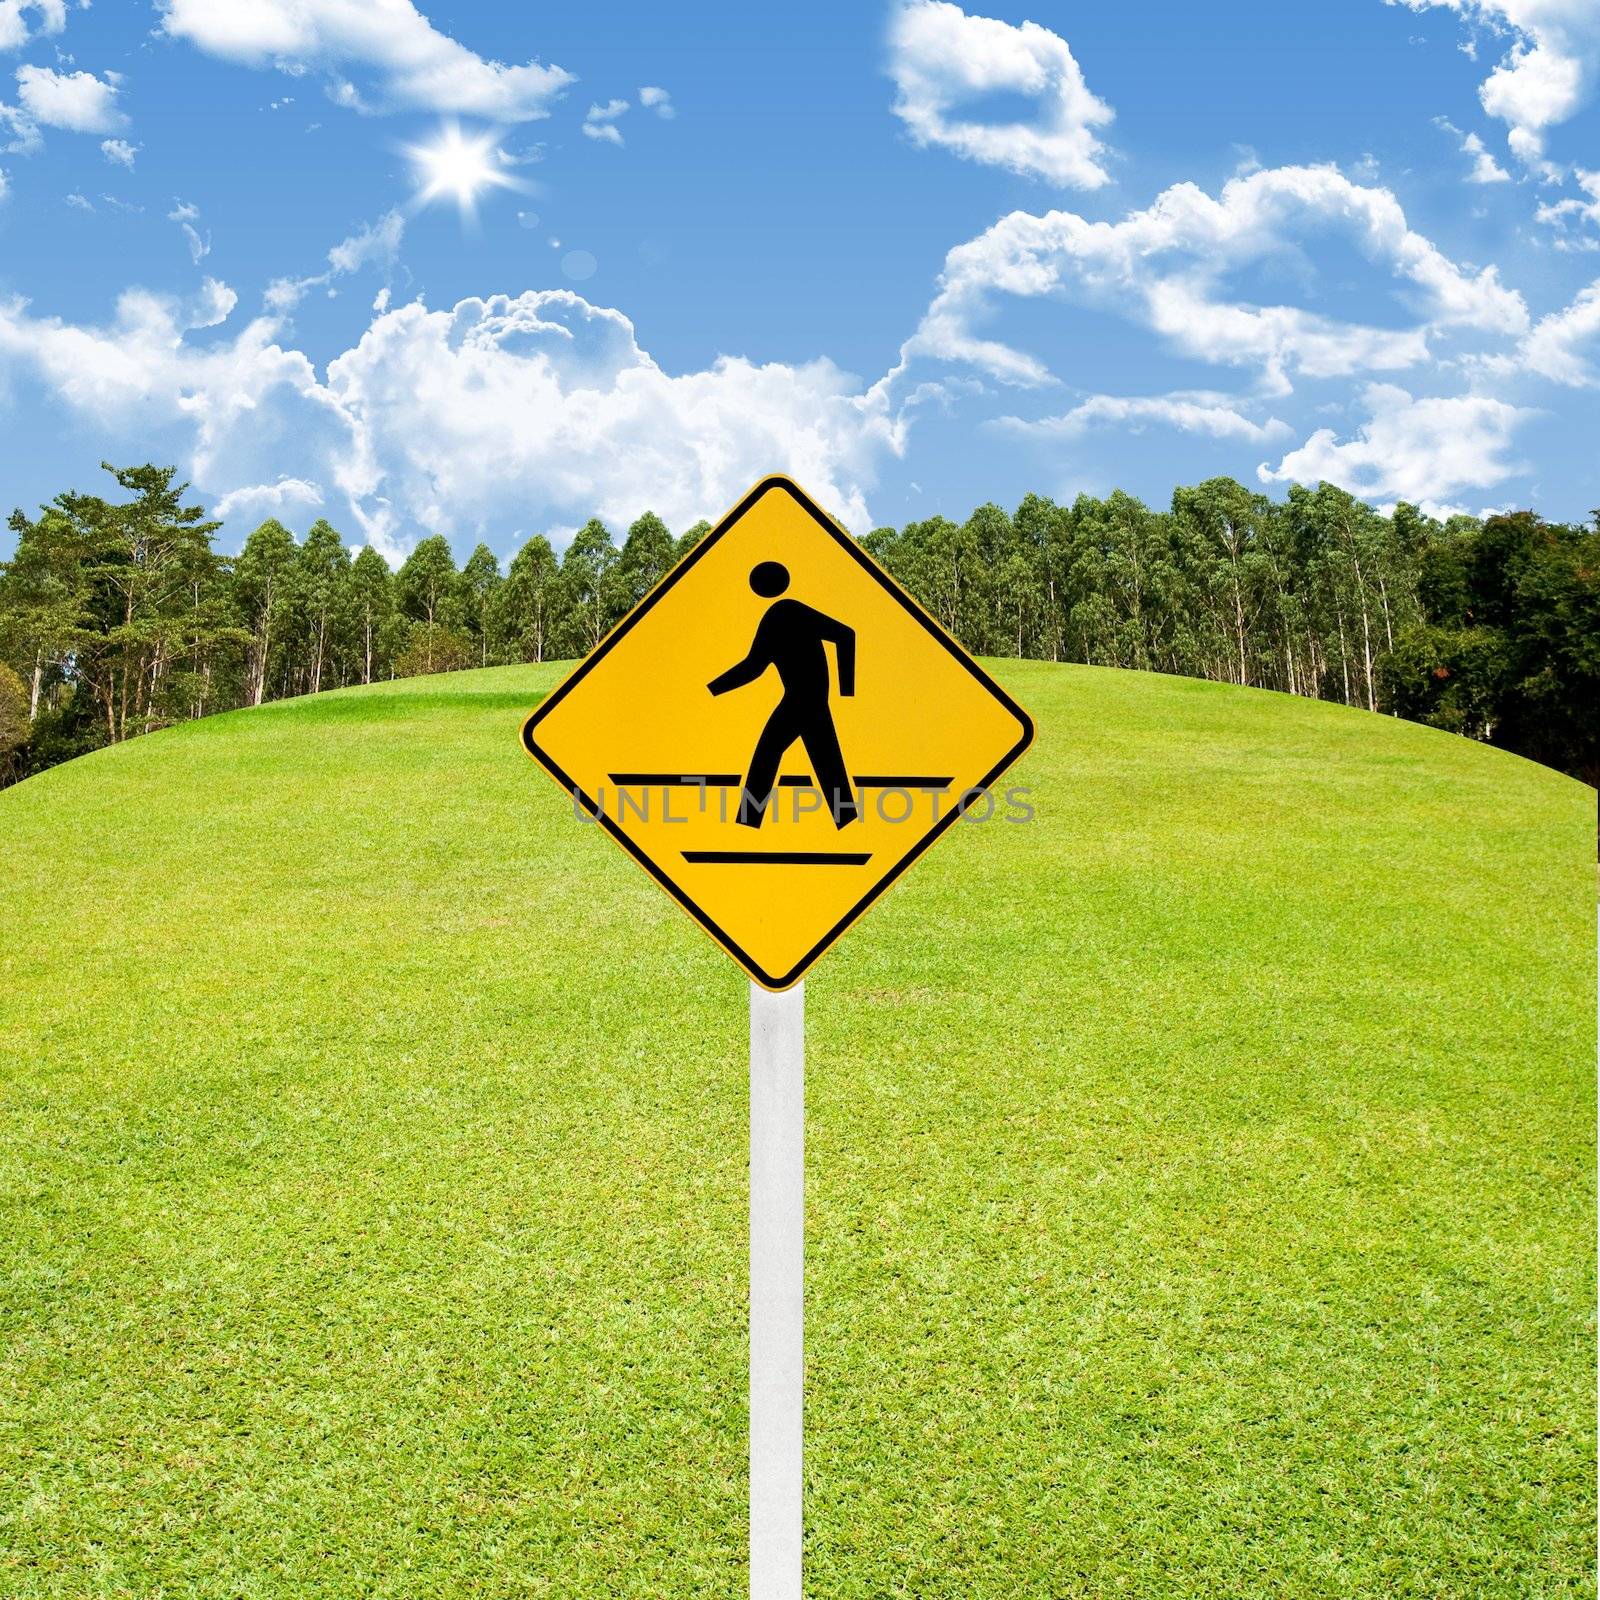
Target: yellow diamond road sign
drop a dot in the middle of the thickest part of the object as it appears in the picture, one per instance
(776, 732)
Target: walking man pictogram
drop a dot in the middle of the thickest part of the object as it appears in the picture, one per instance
(790, 637)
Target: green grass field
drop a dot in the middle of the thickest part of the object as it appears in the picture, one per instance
(1201, 1179)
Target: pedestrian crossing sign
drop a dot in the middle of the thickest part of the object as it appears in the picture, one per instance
(776, 732)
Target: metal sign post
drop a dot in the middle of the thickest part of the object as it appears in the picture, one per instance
(777, 1287)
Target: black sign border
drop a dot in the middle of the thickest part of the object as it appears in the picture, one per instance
(768, 980)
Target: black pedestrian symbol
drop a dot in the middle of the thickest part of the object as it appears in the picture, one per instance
(790, 637)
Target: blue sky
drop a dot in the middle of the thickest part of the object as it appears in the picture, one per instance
(918, 255)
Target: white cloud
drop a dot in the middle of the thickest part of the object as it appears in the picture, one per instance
(52, 15)
(76, 101)
(1485, 169)
(489, 417)
(120, 151)
(5, 183)
(1164, 267)
(377, 243)
(1562, 347)
(257, 501)
(80, 202)
(1547, 72)
(186, 214)
(658, 101)
(1409, 449)
(1202, 412)
(600, 122)
(213, 305)
(1571, 217)
(22, 132)
(411, 63)
(941, 58)
(543, 404)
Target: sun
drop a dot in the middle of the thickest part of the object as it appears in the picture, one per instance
(460, 167)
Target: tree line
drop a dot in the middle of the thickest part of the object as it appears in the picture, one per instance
(118, 616)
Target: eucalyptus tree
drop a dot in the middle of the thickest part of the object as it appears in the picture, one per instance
(593, 596)
(648, 554)
(480, 578)
(263, 597)
(1218, 527)
(322, 589)
(526, 609)
(1040, 530)
(371, 605)
(690, 537)
(428, 589)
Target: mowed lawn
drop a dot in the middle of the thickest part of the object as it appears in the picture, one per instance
(1200, 1179)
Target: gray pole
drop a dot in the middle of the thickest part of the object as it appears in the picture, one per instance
(777, 1287)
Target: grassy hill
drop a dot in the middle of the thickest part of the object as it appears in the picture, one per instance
(1200, 1179)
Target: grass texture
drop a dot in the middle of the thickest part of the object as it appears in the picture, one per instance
(1200, 1179)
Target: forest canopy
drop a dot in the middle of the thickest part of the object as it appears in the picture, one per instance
(118, 615)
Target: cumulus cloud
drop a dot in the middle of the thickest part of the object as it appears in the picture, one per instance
(658, 101)
(51, 17)
(1201, 411)
(257, 501)
(502, 406)
(1546, 73)
(1164, 269)
(941, 59)
(1562, 347)
(600, 122)
(1410, 449)
(235, 399)
(76, 101)
(119, 151)
(493, 417)
(410, 63)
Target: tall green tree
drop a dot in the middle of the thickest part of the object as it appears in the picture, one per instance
(138, 562)
(1217, 525)
(322, 584)
(526, 609)
(428, 589)
(480, 578)
(1508, 647)
(1039, 528)
(593, 596)
(648, 554)
(263, 593)
(690, 537)
(371, 605)
(44, 601)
